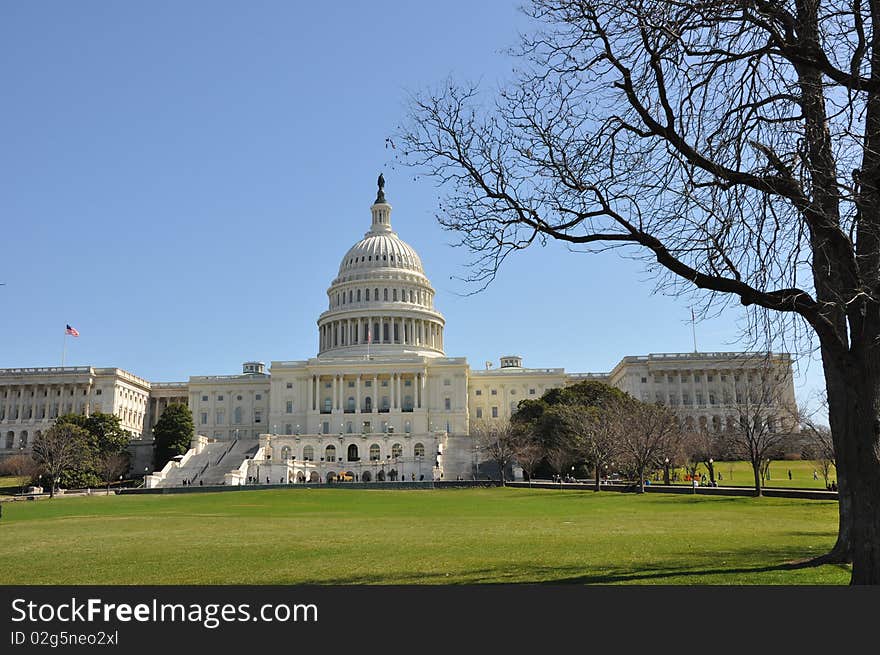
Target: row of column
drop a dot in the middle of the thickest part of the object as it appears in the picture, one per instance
(382, 330)
(338, 396)
(44, 403)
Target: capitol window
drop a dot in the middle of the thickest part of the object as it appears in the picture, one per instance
(384, 294)
(204, 399)
(478, 392)
(447, 404)
(494, 412)
(290, 407)
(494, 392)
(531, 392)
(219, 397)
(447, 382)
(290, 385)
(479, 412)
(259, 397)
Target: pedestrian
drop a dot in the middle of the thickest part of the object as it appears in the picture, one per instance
(789, 474)
(815, 475)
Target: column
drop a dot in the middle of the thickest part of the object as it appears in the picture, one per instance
(34, 403)
(399, 403)
(333, 405)
(357, 386)
(311, 393)
(375, 393)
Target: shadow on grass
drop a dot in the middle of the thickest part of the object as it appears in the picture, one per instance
(645, 573)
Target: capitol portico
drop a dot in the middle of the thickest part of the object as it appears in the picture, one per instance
(380, 400)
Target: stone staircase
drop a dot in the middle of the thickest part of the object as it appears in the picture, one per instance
(211, 464)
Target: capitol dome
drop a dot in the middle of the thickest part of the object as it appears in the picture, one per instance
(381, 301)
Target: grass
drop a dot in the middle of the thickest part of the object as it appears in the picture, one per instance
(11, 485)
(739, 474)
(333, 536)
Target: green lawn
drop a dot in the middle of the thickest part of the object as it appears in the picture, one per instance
(739, 474)
(327, 536)
(11, 485)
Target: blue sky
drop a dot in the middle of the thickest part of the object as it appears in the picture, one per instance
(180, 180)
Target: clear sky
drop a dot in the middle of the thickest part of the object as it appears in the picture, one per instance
(180, 180)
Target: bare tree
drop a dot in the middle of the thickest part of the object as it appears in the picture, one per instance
(497, 440)
(735, 145)
(112, 465)
(528, 453)
(560, 458)
(820, 448)
(20, 466)
(594, 432)
(59, 449)
(647, 433)
(759, 420)
(700, 445)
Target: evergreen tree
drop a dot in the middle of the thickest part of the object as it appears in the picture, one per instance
(173, 433)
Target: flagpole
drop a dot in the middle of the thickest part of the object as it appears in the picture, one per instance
(64, 349)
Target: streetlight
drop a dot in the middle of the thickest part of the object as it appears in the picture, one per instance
(666, 471)
(711, 472)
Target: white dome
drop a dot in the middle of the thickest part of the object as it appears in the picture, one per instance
(381, 302)
(380, 250)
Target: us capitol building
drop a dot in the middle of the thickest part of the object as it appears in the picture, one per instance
(380, 401)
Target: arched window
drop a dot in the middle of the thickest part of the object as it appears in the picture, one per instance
(314, 477)
(309, 454)
(10, 439)
(367, 295)
(396, 450)
(384, 294)
(353, 453)
(394, 294)
(374, 452)
(368, 404)
(350, 292)
(419, 449)
(330, 453)
(375, 294)
(358, 295)
(285, 453)
(23, 439)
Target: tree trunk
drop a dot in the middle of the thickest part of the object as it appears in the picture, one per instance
(598, 479)
(641, 480)
(711, 467)
(853, 386)
(756, 469)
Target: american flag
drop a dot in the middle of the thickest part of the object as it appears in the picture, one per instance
(71, 331)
